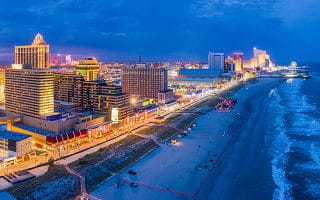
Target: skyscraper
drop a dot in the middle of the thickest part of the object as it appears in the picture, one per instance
(2, 85)
(65, 86)
(216, 61)
(263, 59)
(94, 95)
(88, 69)
(29, 92)
(257, 52)
(229, 65)
(145, 82)
(102, 97)
(36, 54)
(238, 61)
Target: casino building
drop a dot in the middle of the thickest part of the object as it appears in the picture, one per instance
(29, 92)
(36, 54)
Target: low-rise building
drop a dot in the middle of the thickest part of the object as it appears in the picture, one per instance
(14, 144)
(194, 82)
(199, 73)
(46, 133)
(165, 97)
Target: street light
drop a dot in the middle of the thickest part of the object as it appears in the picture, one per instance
(133, 101)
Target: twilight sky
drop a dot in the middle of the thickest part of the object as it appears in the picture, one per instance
(164, 30)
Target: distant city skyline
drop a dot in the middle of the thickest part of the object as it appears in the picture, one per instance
(167, 31)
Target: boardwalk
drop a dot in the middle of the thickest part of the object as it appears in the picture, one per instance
(83, 191)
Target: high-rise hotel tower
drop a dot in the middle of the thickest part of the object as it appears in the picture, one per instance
(216, 61)
(36, 54)
(144, 82)
(88, 69)
(30, 92)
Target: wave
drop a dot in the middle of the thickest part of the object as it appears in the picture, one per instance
(315, 153)
(305, 125)
(272, 92)
(313, 189)
(299, 109)
(279, 148)
(299, 121)
(290, 80)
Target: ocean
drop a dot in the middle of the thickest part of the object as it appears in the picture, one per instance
(276, 149)
(293, 138)
(273, 154)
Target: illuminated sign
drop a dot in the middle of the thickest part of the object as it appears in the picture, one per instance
(148, 102)
(115, 115)
(145, 103)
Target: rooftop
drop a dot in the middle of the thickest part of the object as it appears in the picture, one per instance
(66, 103)
(10, 135)
(38, 40)
(200, 72)
(36, 130)
(194, 79)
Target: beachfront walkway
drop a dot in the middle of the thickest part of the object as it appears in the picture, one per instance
(83, 191)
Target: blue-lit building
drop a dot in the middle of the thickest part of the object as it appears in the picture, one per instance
(14, 144)
(199, 73)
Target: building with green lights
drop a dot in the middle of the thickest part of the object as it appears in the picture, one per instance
(88, 69)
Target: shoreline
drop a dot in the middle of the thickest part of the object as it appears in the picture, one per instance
(205, 106)
(240, 141)
(247, 144)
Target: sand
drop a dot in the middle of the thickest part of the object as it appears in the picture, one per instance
(188, 170)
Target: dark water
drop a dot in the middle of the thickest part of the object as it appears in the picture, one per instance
(276, 154)
(293, 138)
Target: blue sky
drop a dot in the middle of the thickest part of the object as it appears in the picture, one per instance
(164, 30)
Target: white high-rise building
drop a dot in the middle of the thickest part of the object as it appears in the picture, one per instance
(262, 58)
(216, 61)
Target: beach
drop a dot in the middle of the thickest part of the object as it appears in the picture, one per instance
(245, 171)
(210, 162)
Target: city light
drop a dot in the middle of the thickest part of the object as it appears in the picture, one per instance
(69, 122)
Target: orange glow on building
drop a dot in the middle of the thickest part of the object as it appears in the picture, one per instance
(238, 61)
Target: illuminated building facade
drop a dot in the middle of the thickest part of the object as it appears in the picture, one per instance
(65, 86)
(144, 82)
(111, 72)
(36, 54)
(262, 58)
(216, 61)
(13, 144)
(60, 59)
(165, 97)
(2, 86)
(238, 61)
(94, 95)
(88, 69)
(229, 66)
(101, 97)
(29, 92)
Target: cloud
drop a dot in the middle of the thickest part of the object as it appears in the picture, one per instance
(295, 11)
(163, 29)
(214, 8)
(6, 54)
